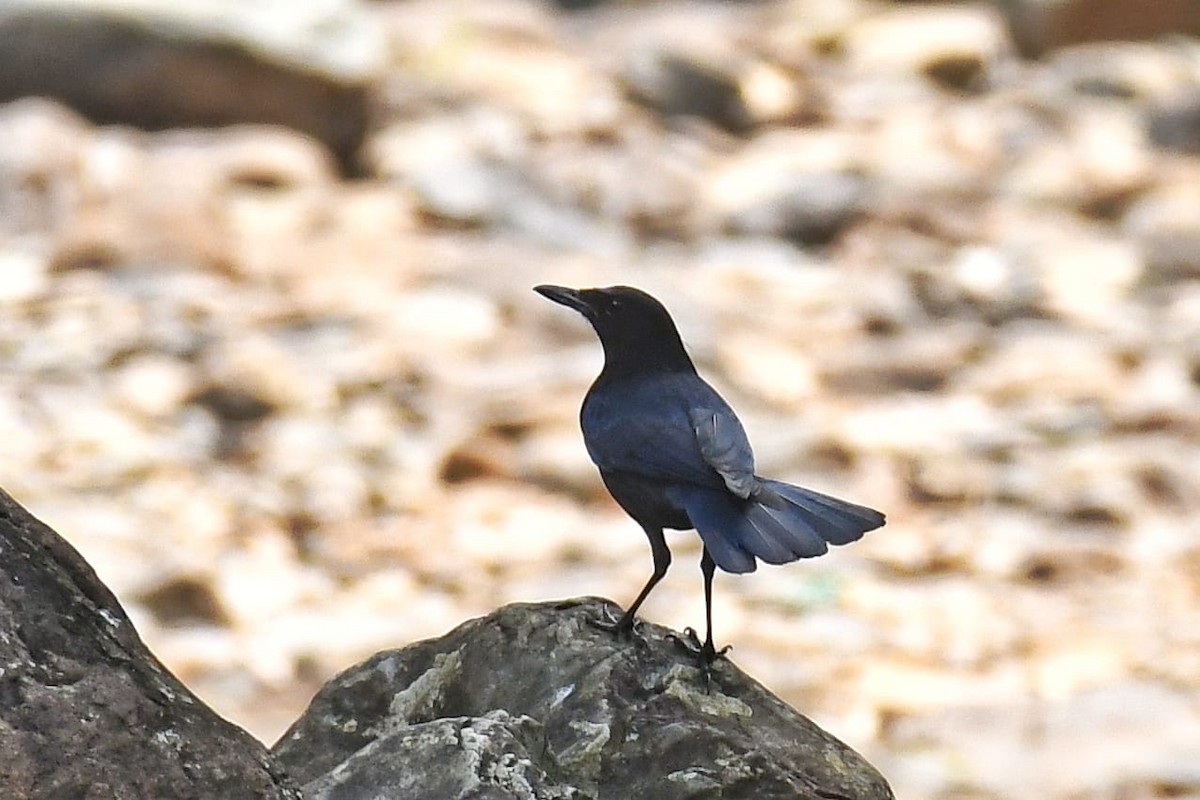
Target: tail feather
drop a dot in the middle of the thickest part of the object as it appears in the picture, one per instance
(719, 523)
(781, 535)
(779, 524)
(837, 521)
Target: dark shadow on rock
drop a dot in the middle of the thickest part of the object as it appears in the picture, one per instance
(532, 701)
(85, 709)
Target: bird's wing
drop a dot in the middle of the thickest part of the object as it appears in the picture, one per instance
(725, 448)
(641, 444)
(673, 429)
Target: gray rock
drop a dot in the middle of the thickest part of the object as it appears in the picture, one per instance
(1174, 123)
(493, 757)
(805, 186)
(197, 63)
(1165, 225)
(534, 702)
(807, 208)
(678, 85)
(87, 710)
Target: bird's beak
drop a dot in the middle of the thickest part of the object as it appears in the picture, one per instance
(571, 298)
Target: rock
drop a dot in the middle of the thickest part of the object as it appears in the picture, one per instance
(1039, 26)
(22, 275)
(158, 65)
(805, 187)
(1038, 362)
(929, 425)
(1175, 123)
(515, 59)
(950, 151)
(1147, 72)
(455, 167)
(294, 420)
(153, 386)
(89, 711)
(494, 751)
(1165, 225)
(809, 209)
(641, 184)
(922, 360)
(242, 198)
(1088, 280)
(1055, 266)
(534, 702)
(778, 372)
(772, 93)
(1097, 163)
(43, 143)
(696, 71)
(952, 45)
(994, 283)
(478, 172)
(678, 85)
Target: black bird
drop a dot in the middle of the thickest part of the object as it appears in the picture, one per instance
(674, 455)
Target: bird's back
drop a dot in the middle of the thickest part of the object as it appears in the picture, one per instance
(643, 426)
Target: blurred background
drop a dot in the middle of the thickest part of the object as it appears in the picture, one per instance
(271, 361)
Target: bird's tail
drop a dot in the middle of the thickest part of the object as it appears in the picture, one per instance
(779, 523)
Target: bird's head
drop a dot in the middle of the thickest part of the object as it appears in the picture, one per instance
(635, 329)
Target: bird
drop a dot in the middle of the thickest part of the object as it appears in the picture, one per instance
(673, 455)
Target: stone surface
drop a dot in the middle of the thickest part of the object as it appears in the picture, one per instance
(88, 711)
(951, 44)
(677, 85)
(804, 187)
(494, 756)
(198, 63)
(1175, 123)
(533, 701)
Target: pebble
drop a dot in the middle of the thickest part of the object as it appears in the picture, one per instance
(1175, 123)
(769, 369)
(153, 385)
(1089, 281)
(1162, 222)
(1043, 361)
(677, 85)
(953, 45)
(22, 276)
(798, 186)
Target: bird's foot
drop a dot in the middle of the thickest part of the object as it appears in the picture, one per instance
(704, 652)
(690, 642)
(624, 627)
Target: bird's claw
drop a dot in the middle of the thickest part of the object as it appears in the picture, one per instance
(690, 642)
(703, 652)
(623, 627)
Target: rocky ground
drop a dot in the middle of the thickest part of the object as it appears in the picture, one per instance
(295, 411)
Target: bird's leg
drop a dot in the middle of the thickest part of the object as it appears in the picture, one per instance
(710, 653)
(706, 651)
(624, 626)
